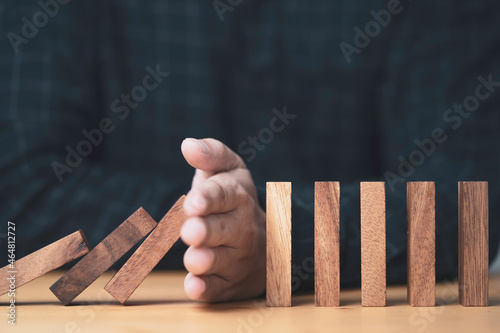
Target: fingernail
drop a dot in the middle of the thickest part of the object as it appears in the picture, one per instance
(200, 144)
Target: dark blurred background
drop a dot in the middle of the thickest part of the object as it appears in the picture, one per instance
(97, 96)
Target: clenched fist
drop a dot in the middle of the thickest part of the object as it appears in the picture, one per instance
(225, 229)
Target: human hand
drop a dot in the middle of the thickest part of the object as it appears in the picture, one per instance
(225, 229)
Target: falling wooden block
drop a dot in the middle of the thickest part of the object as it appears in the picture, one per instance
(149, 254)
(279, 244)
(44, 260)
(105, 254)
(421, 243)
(327, 243)
(473, 243)
(373, 262)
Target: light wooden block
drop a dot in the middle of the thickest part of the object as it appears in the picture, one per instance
(473, 243)
(373, 240)
(279, 244)
(327, 243)
(105, 254)
(44, 260)
(421, 243)
(149, 254)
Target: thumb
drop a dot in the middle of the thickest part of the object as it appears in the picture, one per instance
(210, 155)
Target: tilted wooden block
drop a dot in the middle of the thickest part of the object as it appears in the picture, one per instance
(44, 260)
(421, 243)
(373, 239)
(105, 254)
(327, 243)
(149, 254)
(279, 244)
(473, 243)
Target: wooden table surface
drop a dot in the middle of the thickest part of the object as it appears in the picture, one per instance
(161, 305)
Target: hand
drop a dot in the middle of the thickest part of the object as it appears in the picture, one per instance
(225, 229)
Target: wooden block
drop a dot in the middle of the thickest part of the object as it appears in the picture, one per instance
(421, 243)
(473, 243)
(44, 260)
(105, 254)
(327, 243)
(373, 263)
(279, 244)
(149, 254)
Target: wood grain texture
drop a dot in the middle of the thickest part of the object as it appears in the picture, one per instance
(105, 254)
(149, 254)
(473, 243)
(327, 243)
(421, 243)
(279, 244)
(44, 260)
(161, 305)
(373, 239)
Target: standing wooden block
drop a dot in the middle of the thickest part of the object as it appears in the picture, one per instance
(421, 243)
(373, 262)
(105, 254)
(473, 243)
(327, 243)
(149, 254)
(279, 244)
(44, 260)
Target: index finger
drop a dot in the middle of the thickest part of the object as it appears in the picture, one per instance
(219, 194)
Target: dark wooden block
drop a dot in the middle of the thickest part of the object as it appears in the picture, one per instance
(473, 243)
(105, 254)
(44, 260)
(149, 254)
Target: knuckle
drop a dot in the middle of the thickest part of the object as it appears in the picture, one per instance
(223, 229)
(222, 194)
(251, 231)
(216, 190)
(218, 147)
(242, 195)
(216, 262)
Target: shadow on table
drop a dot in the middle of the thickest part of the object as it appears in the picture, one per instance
(154, 302)
(42, 303)
(494, 301)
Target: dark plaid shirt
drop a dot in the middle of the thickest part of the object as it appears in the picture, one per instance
(357, 116)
